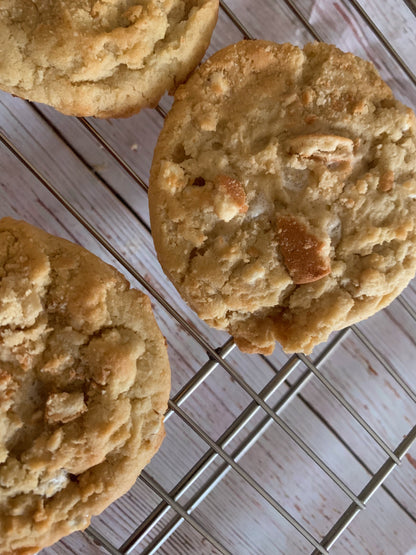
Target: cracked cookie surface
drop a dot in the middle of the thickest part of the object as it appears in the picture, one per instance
(283, 193)
(84, 384)
(98, 57)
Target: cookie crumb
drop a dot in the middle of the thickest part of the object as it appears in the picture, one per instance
(229, 198)
(386, 181)
(64, 407)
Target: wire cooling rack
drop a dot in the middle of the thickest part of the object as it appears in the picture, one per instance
(174, 505)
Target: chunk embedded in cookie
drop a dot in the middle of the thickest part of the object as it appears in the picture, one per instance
(229, 197)
(303, 253)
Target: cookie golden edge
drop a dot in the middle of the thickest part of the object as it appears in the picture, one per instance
(138, 450)
(62, 529)
(257, 338)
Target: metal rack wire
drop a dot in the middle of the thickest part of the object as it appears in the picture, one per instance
(260, 402)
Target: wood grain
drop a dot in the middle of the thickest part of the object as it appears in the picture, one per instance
(66, 153)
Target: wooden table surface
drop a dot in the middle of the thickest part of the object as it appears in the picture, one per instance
(68, 155)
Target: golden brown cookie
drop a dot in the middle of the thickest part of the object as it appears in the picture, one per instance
(98, 57)
(84, 384)
(282, 193)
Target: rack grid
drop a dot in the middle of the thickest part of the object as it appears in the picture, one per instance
(180, 501)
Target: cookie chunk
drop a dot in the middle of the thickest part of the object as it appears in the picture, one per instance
(98, 57)
(84, 384)
(282, 193)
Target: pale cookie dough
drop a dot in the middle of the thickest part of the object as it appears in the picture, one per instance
(282, 193)
(104, 58)
(84, 384)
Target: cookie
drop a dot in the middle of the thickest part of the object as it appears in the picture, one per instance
(282, 193)
(84, 384)
(98, 57)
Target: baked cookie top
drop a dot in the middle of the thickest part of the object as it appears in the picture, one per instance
(84, 384)
(282, 193)
(105, 58)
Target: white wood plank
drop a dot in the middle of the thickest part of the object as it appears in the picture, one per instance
(113, 202)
